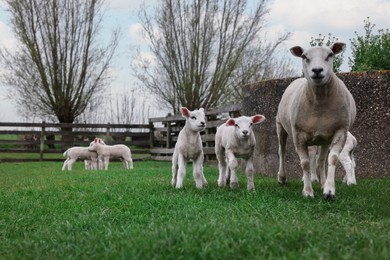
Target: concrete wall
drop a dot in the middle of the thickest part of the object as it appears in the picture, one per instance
(371, 91)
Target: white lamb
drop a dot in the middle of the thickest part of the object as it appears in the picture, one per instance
(88, 163)
(107, 152)
(82, 153)
(189, 146)
(235, 139)
(315, 110)
(346, 158)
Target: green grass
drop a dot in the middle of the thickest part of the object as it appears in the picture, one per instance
(120, 214)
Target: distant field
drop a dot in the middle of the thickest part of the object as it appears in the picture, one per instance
(136, 214)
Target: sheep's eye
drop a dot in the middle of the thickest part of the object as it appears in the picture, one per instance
(193, 117)
(305, 58)
(235, 125)
(329, 56)
(251, 124)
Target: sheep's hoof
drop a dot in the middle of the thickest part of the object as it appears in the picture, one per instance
(234, 185)
(282, 180)
(329, 197)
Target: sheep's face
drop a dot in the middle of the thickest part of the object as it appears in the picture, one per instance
(317, 62)
(194, 119)
(243, 125)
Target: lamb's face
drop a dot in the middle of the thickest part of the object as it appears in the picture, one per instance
(243, 126)
(196, 119)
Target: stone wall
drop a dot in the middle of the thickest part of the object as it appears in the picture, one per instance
(371, 91)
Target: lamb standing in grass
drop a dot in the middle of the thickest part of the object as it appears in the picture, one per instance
(315, 110)
(235, 139)
(89, 165)
(189, 146)
(107, 152)
(82, 153)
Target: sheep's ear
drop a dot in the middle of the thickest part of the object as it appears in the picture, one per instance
(256, 119)
(201, 109)
(337, 47)
(297, 51)
(185, 112)
(230, 122)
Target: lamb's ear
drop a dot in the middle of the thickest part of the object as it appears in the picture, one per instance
(185, 112)
(257, 119)
(337, 47)
(230, 122)
(201, 109)
(297, 51)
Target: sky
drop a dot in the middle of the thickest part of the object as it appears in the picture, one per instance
(303, 18)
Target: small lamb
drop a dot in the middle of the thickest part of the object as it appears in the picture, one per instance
(107, 152)
(235, 139)
(83, 153)
(189, 146)
(88, 163)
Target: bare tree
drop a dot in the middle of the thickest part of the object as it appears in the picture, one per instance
(59, 66)
(201, 48)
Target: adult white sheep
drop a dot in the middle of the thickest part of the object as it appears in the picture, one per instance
(235, 139)
(346, 157)
(189, 146)
(107, 152)
(90, 158)
(315, 110)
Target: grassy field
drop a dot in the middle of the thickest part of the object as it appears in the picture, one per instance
(49, 214)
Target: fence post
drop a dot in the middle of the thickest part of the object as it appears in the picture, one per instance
(151, 134)
(108, 132)
(42, 141)
(169, 132)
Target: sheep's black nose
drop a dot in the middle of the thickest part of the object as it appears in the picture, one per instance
(317, 70)
(245, 132)
(202, 123)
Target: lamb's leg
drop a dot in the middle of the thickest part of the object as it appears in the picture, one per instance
(346, 160)
(336, 147)
(174, 168)
(222, 168)
(106, 161)
(250, 171)
(181, 172)
(198, 171)
(65, 166)
(282, 138)
(70, 163)
(232, 164)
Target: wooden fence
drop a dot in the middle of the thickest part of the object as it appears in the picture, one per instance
(155, 140)
(48, 138)
(164, 131)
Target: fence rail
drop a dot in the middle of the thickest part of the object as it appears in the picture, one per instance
(155, 140)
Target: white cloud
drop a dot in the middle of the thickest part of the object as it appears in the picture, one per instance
(341, 18)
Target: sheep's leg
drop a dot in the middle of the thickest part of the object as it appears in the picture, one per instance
(130, 161)
(335, 150)
(250, 171)
(124, 162)
(282, 138)
(313, 154)
(181, 172)
(302, 150)
(232, 164)
(198, 171)
(321, 159)
(222, 168)
(174, 168)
